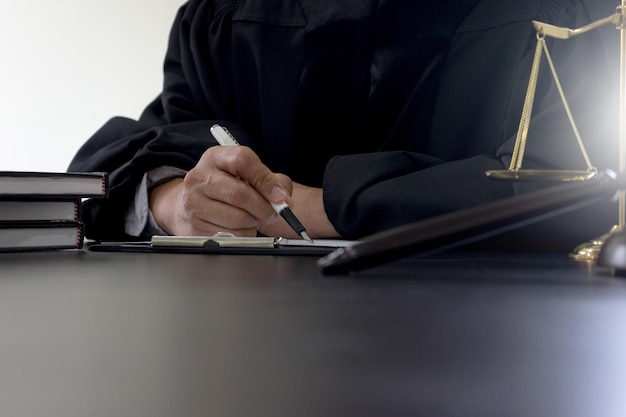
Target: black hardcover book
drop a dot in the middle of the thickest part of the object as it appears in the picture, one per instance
(40, 210)
(45, 235)
(35, 185)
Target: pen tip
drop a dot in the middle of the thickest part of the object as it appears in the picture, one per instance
(306, 237)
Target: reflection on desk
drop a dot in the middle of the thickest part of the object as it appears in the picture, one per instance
(463, 334)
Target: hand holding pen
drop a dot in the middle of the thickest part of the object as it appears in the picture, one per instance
(224, 138)
(228, 190)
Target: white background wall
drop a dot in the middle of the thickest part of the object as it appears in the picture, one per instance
(67, 66)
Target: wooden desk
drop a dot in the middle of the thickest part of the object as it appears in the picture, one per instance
(114, 334)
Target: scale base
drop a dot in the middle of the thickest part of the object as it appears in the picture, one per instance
(541, 175)
(590, 250)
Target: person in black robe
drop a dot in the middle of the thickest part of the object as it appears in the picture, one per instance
(362, 114)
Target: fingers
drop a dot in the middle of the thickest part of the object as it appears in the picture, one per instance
(243, 163)
(223, 201)
(222, 218)
(220, 193)
(181, 211)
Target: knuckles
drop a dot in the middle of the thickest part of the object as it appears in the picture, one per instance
(232, 158)
(194, 176)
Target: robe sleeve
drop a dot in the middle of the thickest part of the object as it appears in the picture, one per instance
(368, 193)
(170, 132)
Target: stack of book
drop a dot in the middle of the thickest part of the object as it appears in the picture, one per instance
(42, 210)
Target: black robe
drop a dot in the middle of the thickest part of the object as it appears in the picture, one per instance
(395, 108)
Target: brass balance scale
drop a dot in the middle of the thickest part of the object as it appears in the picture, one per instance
(588, 251)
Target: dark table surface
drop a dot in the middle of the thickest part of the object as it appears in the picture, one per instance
(462, 334)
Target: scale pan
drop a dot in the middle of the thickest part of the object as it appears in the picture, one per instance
(540, 175)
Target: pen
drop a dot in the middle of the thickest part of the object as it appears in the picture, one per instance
(225, 138)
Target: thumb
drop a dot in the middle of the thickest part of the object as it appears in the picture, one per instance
(281, 191)
(244, 163)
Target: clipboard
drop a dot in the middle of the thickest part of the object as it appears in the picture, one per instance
(224, 244)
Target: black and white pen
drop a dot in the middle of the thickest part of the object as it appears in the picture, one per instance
(225, 138)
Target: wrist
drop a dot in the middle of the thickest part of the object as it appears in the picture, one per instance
(309, 208)
(162, 200)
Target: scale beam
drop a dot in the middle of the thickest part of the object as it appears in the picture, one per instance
(559, 32)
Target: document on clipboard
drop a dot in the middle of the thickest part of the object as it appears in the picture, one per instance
(225, 243)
